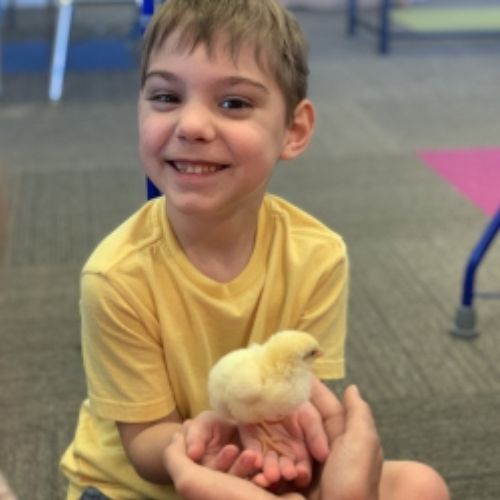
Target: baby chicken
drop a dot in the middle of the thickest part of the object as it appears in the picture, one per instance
(264, 382)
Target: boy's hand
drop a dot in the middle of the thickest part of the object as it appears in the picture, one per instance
(195, 482)
(213, 442)
(301, 439)
(354, 465)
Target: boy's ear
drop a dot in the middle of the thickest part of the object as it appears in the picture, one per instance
(300, 130)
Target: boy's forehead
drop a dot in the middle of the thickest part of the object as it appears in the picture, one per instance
(240, 53)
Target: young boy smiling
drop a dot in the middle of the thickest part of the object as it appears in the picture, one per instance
(211, 266)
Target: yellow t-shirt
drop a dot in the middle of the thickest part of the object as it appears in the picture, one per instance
(153, 325)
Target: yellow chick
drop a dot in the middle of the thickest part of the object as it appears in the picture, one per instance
(264, 382)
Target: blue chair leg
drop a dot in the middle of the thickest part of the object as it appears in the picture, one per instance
(1, 48)
(352, 17)
(384, 28)
(465, 317)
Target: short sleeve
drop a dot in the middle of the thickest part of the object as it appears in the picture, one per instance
(325, 312)
(123, 356)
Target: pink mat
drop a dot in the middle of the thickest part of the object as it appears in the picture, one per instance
(475, 173)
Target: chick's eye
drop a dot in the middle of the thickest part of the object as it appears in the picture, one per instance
(312, 354)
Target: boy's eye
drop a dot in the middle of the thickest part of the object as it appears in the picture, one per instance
(235, 103)
(165, 98)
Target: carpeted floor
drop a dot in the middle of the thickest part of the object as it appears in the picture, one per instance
(72, 174)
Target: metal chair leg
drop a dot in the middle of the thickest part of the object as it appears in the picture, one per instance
(384, 27)
(3, 9)
(352, 17)
(465, 317)
(1, 50)
(60, 49)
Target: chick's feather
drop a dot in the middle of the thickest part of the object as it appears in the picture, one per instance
(264, 382)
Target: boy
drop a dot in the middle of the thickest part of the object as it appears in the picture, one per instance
(214, 264)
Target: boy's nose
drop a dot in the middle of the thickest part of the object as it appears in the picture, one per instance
(195, 123)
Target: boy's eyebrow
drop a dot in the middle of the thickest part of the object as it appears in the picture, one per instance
(230, 80)
(165, 75)
(241, 80)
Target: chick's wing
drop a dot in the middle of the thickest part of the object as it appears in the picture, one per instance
(235, 384)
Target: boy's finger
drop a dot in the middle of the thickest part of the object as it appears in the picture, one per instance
(196, 439)
(225, 458)
(271, 469)
(287, 468)
(324, 400)
(174, 455)
(250, 442)
(330, 408)
(316, 439)
(357, 409)
(177, 442)
(260, 480)
(245, 465)
(360, 423)
(304, 475)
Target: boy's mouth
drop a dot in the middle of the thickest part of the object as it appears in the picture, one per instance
(199, 168)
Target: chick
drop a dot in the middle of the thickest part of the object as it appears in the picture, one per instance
(264, 382)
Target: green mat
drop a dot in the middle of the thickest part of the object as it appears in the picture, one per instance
(447, 19)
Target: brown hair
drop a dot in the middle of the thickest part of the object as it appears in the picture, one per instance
(276, 35)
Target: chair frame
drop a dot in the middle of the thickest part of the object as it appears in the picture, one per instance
(65, 10)
(385, 33)
(466, 318)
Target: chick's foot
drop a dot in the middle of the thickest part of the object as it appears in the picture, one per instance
(270, 441)
(270, 436)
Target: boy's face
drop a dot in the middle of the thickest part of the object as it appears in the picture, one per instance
(211, 129)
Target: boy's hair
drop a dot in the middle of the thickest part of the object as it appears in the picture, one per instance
(280, 46)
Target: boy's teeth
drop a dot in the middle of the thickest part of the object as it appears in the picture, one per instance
(195, 168)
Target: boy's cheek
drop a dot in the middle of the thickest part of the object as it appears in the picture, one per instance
(152, 136)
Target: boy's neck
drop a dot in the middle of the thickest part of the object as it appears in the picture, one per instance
(219, 248)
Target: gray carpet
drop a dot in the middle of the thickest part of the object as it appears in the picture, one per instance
(72, 174)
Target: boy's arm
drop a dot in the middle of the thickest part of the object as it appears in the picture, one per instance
(211, 444)
(145, 444)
